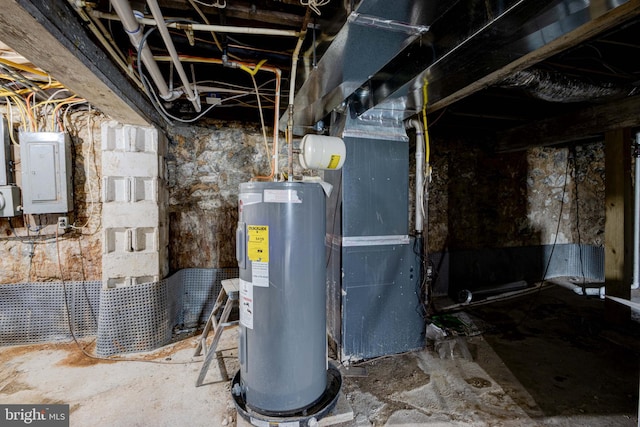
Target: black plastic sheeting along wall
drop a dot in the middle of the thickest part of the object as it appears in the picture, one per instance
(475, 269)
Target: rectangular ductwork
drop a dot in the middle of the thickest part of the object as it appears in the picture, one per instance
(381, 58)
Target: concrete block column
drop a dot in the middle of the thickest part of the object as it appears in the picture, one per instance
(134, 211)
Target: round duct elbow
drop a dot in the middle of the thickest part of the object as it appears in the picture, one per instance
(557, 87)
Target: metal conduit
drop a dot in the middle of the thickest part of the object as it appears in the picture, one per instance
(635, 281)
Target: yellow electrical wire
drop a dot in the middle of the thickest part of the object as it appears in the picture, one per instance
(33, 121)
(23, 68)
(54, 101)
(27, 90)
(22, 109)
(252, 73)
(24, 98)
(427, 144)
(255, 69)
(10, 121)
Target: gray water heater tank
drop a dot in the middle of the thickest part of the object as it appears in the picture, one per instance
(281, 254)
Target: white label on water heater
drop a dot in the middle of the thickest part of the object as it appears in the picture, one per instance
(250, 198)
(246, 304)
(281, 196)
(260, 274)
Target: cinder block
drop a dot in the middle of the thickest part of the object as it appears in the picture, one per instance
(135, 203)
(112, 137)
(131, 215)
(131, 264)
(107, 136)
(144, 279)
(120, 137)
(117, 282)
(162, 144)
(116, 240)
(116, 189)
(121, 163)
(144, 189)
(143, 139)
(145, 239)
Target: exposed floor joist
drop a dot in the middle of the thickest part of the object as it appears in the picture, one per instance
(597, 26)
(575, 126)
(58, 43)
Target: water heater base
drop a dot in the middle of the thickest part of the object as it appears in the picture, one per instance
(305, 417)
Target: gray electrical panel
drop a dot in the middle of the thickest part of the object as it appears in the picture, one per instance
(46, 172)
(10, 204)
(5, 154)
(9, 201)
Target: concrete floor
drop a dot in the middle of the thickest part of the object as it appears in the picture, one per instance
(543, 360)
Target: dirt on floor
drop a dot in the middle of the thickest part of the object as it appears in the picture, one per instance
(547, 359)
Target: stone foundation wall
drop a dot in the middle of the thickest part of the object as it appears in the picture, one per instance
(477, 199)
(29, 252)
(480, 199)
(206, 166)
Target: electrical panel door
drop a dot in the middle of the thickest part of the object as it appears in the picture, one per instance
(46, 172)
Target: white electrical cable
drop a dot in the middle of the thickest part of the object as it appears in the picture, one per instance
(264, 131)
(314, 4)
(10, 124)
(216, 4)
(168, 117)
(56, 93)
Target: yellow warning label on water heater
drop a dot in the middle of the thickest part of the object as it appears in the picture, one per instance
(258, 244)
(334, 162)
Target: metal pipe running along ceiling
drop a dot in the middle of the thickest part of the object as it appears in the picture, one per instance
(387, 51)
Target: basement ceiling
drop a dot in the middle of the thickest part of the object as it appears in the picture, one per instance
(518, 73)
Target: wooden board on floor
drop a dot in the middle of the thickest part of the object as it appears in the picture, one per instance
(341, 413)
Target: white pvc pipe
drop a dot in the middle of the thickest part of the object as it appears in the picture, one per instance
(596, 292)
(133, 28)
(635, 283)
(294, 70)
(238, 30)
(210, 27)
(292, 88)
(599, 291)
(164, 32)
(420, 143)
